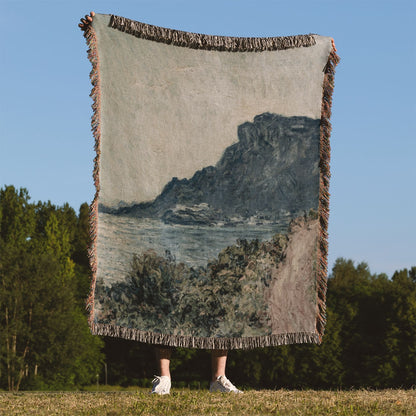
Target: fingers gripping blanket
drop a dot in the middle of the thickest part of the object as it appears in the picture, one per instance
(209, 223)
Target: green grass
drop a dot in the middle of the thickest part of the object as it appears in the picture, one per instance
(201, 402)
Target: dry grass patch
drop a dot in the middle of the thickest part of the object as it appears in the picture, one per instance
(185, 402)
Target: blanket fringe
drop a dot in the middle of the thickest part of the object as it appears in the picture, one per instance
(209, 42)
(91, 39)
(204, 342)
(325, 174)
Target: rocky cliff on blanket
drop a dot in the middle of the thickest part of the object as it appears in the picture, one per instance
(212, 172)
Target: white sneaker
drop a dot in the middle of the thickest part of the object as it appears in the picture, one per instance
(223, 385)
(161, 385)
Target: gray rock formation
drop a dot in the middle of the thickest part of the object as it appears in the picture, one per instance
(272, 172)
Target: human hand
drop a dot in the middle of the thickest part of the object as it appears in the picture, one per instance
(86, 21)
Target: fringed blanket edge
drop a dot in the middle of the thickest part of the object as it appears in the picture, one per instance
(325, 174)
(92, 52)
(209, 42)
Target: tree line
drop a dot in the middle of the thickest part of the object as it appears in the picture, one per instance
(45, 342)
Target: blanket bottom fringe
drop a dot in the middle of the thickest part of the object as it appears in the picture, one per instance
(205, 342)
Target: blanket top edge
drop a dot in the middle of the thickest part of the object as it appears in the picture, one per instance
(204, 41)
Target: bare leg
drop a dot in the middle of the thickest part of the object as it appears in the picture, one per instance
(162, 383)
(218, 363)
(219, 381)
(163, 359)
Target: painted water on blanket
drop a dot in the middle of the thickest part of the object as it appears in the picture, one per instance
(123, 237)
(206, 250)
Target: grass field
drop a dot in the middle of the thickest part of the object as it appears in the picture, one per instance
(201, 402)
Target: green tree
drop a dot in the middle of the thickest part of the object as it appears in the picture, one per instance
(17, 224)
(79, 255)
(44, 339)
(400, 366)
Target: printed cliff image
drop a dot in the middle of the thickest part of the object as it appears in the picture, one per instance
(272, 171)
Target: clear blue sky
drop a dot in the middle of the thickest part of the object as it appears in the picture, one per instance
(45, 140)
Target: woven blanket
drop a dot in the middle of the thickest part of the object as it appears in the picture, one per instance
(209, 223)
